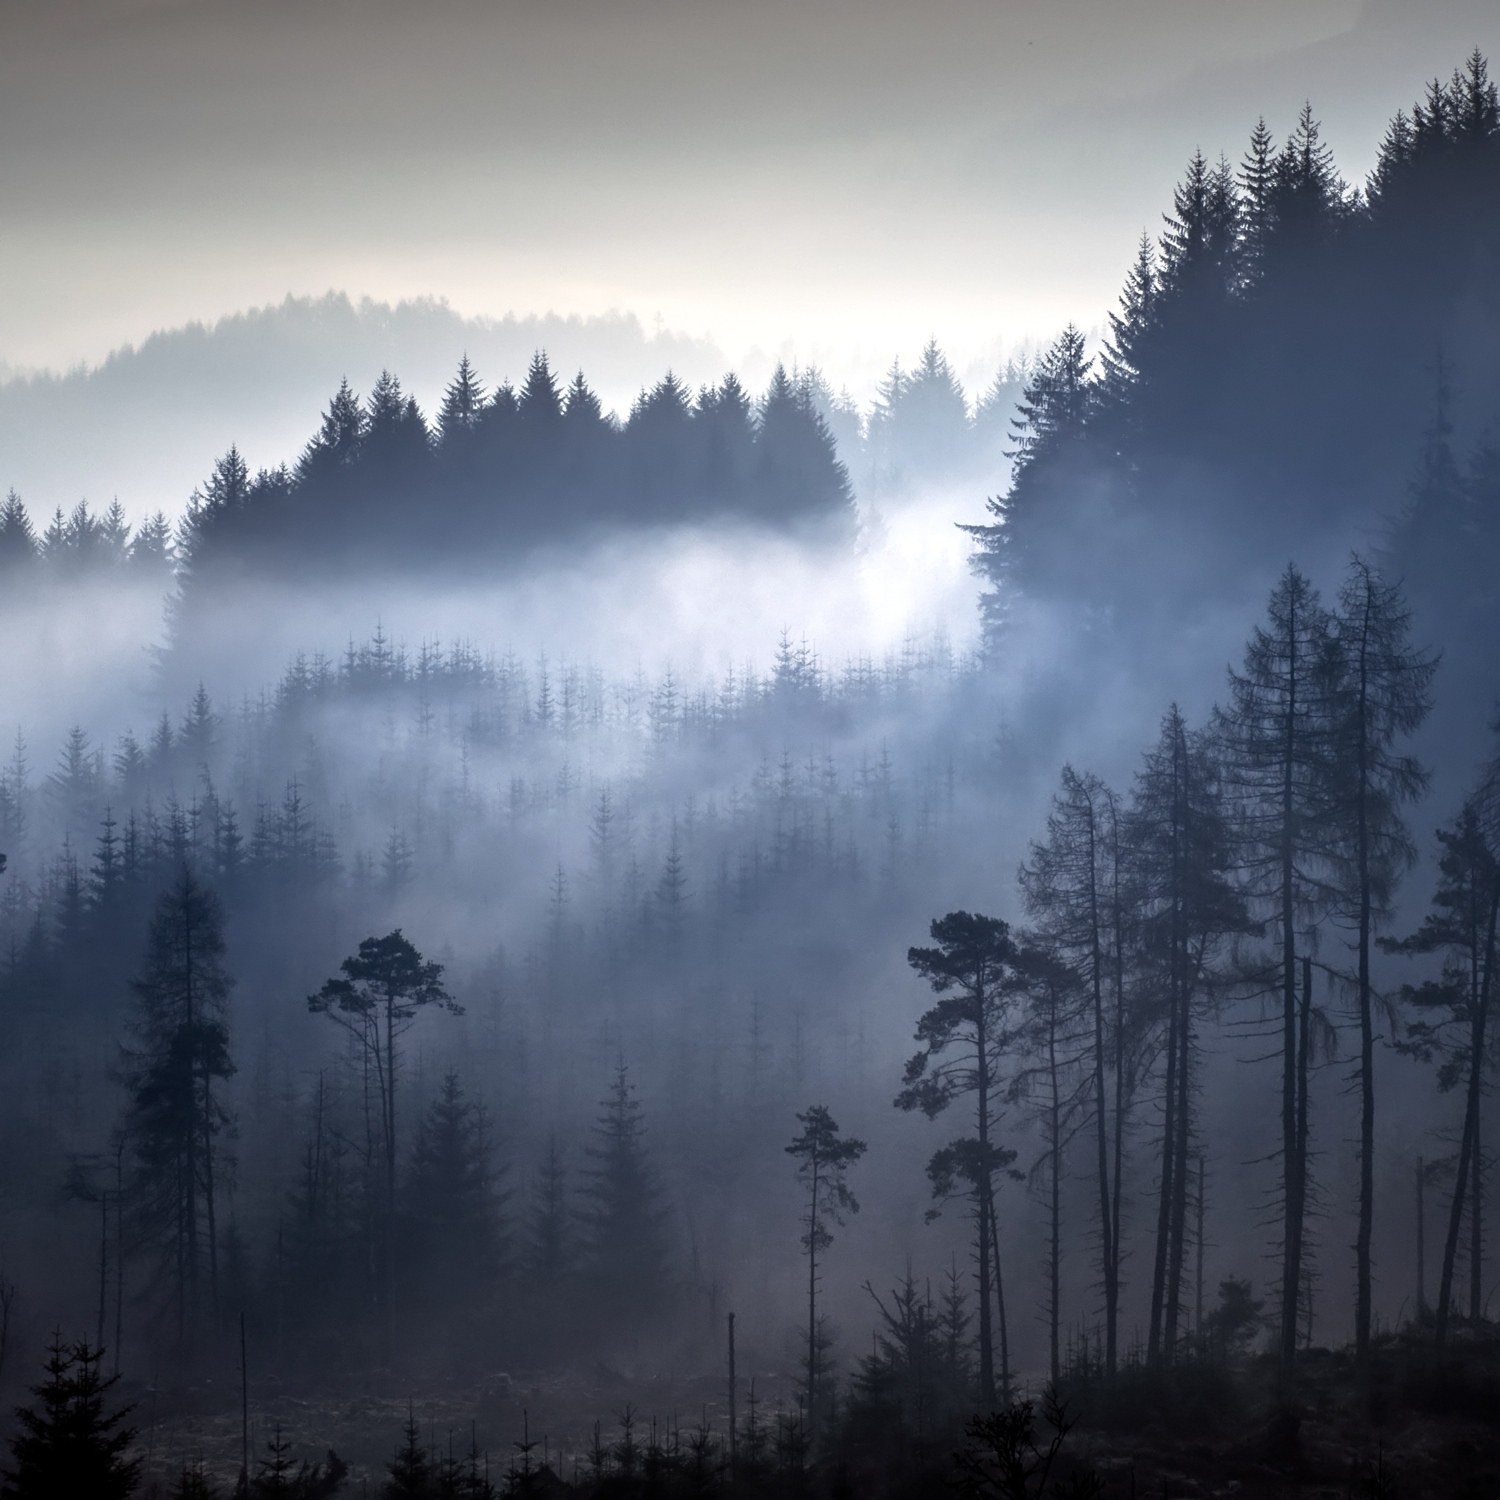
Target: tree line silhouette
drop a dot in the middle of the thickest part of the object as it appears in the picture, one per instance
(1268, 375)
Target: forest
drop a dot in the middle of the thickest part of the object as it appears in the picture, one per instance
(1050, 1064)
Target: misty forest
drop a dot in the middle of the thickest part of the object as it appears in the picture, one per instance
(446, 1055)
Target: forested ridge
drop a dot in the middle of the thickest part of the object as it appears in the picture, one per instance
(780, 1041)
(1283, 375)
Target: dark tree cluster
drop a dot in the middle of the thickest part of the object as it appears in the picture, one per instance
(81, 544)
(504, 470)
(1270, 368)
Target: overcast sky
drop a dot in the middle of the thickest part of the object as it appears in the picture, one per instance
(837, 178)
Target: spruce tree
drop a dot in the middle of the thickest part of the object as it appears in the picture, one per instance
(452, 1200)
(622, 1214)
(67, 1443)
(18, 543)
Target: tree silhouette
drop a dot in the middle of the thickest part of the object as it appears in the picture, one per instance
(823, 1159)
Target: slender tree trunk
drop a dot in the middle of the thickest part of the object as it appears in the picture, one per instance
(1055, 1254)
(1304, 1039)
(1198, 1277)
(1469, 1143)
(1000, 1308)
(1112, 1308)
(1421, 1240)
(1363, 1291)
(1180, 1185)
(1291, 1159)
(1164, 1199)
(1101, 1132)
(984, 1210)
(1476, 1216)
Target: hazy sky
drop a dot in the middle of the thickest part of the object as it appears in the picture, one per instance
(851, 175)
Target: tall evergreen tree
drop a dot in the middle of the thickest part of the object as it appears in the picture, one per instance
(823, 1161)
(1276, 739)
(977, 970)
(178, 1055)
(623, 1214)
(1382, 697)
(1181, 864)
(1452, 1020)
(376, 999)
(453, 1200)
(1074, 883)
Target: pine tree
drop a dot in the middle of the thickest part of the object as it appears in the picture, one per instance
(823, 1160)
(1452, 1018)
(174, 1117)
(67, 1443)
(977, 969)
(376, 999)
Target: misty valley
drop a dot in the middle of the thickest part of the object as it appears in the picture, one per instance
(782, 947)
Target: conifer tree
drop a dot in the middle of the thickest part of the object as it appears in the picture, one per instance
(452, 1199)
(823, 1160)
(977, 970)
(67, 1442)
(462, 405)
(1276, 744)
(178, 1055)
(1382, 695)
(18, 543)
(549, 1249)
(1181, 864)
(1451, 1026)
(622, 1212)
(1074, 883)
(376, 999)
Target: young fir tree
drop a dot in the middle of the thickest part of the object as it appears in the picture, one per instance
(622, 1213)
(453, 1205)
(177, 1058)
(1074, 886)
(1452, 1020)
(1382, 695)
(1275, 740)
(823, 1160)
(976, 968)
(67, 1443)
